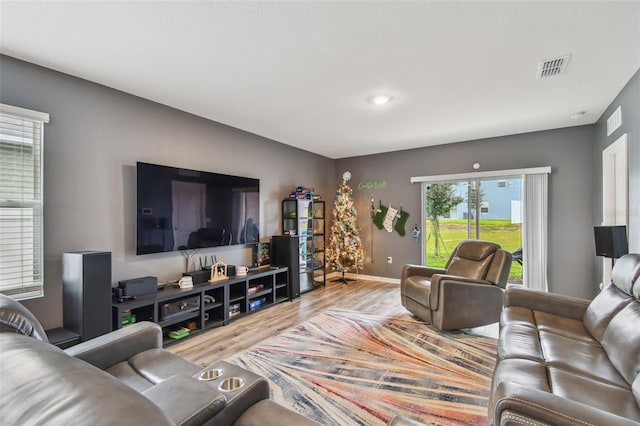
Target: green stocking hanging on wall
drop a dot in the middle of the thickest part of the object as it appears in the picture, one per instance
(378, 219)
(401, 222)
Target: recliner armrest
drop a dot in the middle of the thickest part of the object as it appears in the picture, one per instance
(463, 302)
(437, 280)
(409, 270)
(557, 304)
(119, 345)
(186, 400)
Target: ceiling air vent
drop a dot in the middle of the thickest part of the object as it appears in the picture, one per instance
(553, 66)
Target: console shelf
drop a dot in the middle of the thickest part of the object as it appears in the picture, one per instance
(178, 318)
(206, 305)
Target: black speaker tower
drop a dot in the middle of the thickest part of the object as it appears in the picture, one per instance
(284, 252)
(86, 293)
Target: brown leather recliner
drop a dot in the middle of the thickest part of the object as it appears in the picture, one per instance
(468, 292)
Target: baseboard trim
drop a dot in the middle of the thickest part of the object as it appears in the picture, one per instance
(336, 274)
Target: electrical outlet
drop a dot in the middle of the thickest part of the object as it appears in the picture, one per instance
(389, 259)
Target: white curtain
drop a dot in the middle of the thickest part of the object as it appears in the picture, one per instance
(534, 235)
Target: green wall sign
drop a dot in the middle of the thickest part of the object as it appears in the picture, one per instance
(372, 185)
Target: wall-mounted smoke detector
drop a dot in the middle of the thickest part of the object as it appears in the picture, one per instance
(552, 66)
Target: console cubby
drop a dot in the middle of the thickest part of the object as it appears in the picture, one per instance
(214, 307)
(205, 305)
(237, 299)
(281, 286)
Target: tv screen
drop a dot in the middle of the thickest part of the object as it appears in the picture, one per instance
(181, 209)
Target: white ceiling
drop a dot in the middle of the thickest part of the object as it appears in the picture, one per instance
(300, 72)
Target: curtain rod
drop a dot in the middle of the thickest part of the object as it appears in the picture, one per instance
(475, 175)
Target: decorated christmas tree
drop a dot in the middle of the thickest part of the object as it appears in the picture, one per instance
(345, 247)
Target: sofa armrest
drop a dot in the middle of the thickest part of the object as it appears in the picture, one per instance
(186, 400)
(557, 304)
(548, 408)
(108, 350)
(409, 270)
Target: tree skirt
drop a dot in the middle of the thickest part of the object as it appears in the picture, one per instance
(349, 368)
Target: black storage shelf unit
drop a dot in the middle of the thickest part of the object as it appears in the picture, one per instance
(303, 222)
(204, 315)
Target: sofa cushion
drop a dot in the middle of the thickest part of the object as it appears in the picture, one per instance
(594, 393)
(531, 374)
(14, 317)
(475, 269)
(621, 341)
(471, 259)
(41, 384)
(625, 274)
(517, 315)
(475, 250)
(580, 357)
(563, 326)
(498, 272)
(519, 341)
(603, 308)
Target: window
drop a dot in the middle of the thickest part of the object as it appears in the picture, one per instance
(514, 216)
(21, 262)
(502, 184)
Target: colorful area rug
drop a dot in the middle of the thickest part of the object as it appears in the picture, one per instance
(350, 368)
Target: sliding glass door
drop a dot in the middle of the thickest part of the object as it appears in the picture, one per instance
(484, 208)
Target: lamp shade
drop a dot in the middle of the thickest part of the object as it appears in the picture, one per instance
(611, 241)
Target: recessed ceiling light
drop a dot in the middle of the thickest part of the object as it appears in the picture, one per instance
(379, 99)
(578, 114)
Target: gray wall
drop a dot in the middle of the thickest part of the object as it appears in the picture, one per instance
(97, 134)
(629, 101)
(92, 143)
(568, 151)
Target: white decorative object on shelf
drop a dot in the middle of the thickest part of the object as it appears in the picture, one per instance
(186, 282)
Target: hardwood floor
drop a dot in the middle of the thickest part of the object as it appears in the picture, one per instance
(369, 296)
(374, 297)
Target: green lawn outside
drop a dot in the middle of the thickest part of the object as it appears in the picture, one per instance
(503, 232)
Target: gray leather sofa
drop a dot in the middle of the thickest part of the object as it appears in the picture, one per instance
(568, 361)
(124, 377)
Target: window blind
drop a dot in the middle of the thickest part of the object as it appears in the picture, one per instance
(21, 247)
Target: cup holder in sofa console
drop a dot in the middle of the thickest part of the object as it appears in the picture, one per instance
(210, 374)
(231, 384)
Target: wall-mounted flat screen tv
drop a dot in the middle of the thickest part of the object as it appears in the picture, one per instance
(181, 209)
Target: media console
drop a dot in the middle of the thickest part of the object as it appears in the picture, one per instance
(206, 305)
